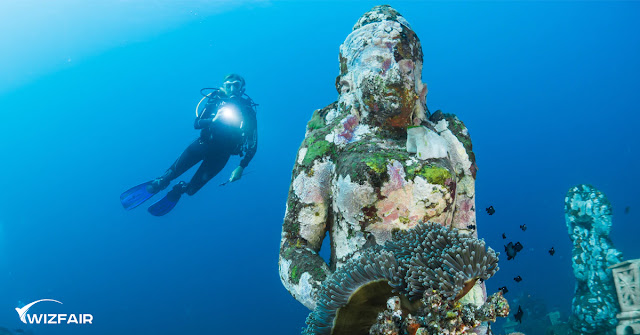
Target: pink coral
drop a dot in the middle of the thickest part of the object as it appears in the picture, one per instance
(406, 66)
(386, 65)
(390, 211)
(465, 212)
(312, 189)
(398, 195)
(349, 124)
(396, 177)
(304, 188)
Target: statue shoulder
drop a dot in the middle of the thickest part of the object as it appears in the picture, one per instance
(443, 121)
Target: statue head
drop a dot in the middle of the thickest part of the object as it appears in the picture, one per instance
(381, 71)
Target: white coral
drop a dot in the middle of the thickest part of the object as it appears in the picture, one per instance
(347, 245)
(313, 223)
(314, 188)
(331, 115)
(301, 291)
(457, 152)
(301, 153)
(351, 197)
(425, 143)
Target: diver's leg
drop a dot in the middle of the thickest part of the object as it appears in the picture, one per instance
(210, 167)
(194, 153)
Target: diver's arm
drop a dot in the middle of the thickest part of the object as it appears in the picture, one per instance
(252, 141)
(301, 268)
(202, 123)
(251, 151)
(205, 118)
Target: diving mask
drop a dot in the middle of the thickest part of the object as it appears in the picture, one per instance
(233, 88)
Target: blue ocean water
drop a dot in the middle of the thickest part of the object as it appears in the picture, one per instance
(95, 98)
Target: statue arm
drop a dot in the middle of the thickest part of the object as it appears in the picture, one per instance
(301, 268)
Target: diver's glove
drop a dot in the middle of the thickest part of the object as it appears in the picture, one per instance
(236, 174)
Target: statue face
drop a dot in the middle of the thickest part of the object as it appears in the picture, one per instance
(381, 65)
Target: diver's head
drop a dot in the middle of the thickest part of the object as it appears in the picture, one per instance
(233, 85)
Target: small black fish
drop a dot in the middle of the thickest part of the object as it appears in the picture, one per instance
(518, 279)
(627, 210)
(503, 289)
(512, 249)
(471, 226)
(519, 314)
(504, 236)
(490, 210)
(523, 227)
(552, 251)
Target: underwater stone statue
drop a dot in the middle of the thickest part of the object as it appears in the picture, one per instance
(588, 218)
(374, 161)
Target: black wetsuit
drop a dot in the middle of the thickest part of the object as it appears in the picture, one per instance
(218, 141)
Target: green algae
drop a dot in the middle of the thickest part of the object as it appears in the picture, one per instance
(377, 163)
(318, 129)
(290, 224)
(316, 122)
(302, 260)
(366, 163)
(432, 172)
(306, 263)
(315, 150)
(343, 65)
(457, 128)
(435, 175)
(295, 276)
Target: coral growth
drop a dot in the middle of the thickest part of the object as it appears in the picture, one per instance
(588, 217)
(433, 257)
(430, 262)
(375, 160)
(440, 316)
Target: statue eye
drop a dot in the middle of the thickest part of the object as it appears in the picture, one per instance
(344, 86)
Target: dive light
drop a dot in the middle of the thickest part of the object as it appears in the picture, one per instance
(229, 114)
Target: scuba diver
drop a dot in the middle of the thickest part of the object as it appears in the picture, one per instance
(228, 127)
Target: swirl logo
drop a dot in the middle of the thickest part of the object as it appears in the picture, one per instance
(51, 318)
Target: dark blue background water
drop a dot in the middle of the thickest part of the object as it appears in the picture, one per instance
(95, 99)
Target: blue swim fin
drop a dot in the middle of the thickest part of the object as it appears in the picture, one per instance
(166, 204)
(135, 196)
